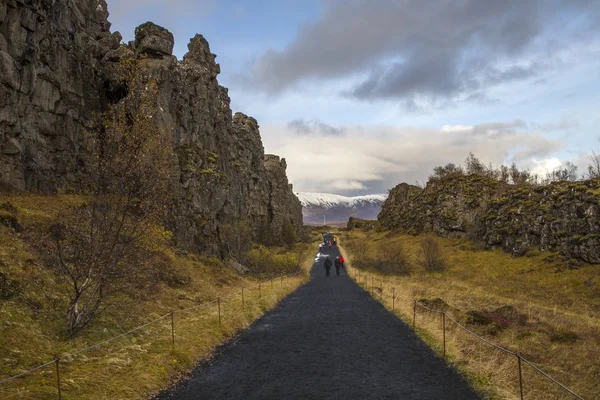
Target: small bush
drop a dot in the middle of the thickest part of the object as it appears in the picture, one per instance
(392, 258)
(9, 220)
(268, 261)
(564, 337)
(431, 255)
(289, 234)
(8, 287)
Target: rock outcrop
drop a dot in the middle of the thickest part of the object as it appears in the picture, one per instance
(448, 206)
(563, 216)
(50, 56)
(358, 223)
(56, 60)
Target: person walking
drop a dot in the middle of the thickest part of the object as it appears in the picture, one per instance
(342, 260)
(338, 265)
(327, 266)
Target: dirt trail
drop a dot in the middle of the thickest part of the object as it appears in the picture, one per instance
(327, 340)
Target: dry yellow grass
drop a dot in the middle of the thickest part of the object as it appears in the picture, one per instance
(561, 306)
(138, 364)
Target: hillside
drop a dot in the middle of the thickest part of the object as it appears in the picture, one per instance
(333, 208)
(537, 305)
(33, 297)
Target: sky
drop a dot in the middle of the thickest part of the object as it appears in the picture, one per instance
(361, 95)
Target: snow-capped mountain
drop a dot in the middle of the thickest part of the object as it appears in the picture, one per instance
(336, 208)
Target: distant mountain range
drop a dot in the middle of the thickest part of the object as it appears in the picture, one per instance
(333, 208)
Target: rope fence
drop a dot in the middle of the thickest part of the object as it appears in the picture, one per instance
(445, 316)
(218, 302)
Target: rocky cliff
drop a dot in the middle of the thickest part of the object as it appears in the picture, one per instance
(57, 57)
(563, 216)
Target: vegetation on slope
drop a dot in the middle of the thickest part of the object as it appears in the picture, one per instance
(537, 304)
(33, 300)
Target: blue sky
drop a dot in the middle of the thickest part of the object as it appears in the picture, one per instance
(380, 92)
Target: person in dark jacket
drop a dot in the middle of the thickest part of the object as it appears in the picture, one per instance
(327, 266)
(338, 265)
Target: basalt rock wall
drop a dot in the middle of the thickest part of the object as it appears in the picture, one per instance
(562, 216)
(56, 59)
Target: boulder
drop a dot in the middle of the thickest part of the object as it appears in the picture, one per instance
(242, 270)
(9, 71)
(154, 40)
(11, 147)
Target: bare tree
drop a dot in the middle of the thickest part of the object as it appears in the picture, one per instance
(446, 170)
(236, 240)
(105, 247)
(594, 167)
(566, 173)
(431, 255)
(473, 165)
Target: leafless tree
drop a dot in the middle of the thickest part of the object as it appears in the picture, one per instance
(106, 246)
(594, 167)
(431, 255)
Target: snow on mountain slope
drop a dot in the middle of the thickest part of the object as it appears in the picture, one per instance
(332, 200)
(317, 207)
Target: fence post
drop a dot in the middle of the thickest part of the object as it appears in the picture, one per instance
(242, 298)
(173, 327)
(219, 309)
(414, 312)
(520, 375)
(381, 294)
(444, 330)
(58, 378)
(393, 298)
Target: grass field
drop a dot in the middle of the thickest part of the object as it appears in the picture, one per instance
(135, 365)
(534, 304)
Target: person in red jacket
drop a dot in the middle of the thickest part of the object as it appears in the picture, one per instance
(342, 260)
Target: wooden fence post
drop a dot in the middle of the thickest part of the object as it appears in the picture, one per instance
(444, 330)
(173, 327)
(520, 375)
(219, 309)
(58, 378)
(414, 313)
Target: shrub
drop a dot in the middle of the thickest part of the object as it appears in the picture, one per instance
(431, 255)
(271, 261)
(288, 234)
(392, 258)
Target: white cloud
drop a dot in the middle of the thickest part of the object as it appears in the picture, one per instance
(347, 185)
(542, 167)
(456, 128)
(373, 159)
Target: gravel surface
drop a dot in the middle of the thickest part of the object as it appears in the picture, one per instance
(327, 340)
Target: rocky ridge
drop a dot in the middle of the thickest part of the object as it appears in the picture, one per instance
(56, 59)
(562, 216)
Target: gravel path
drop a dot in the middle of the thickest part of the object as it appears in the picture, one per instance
(327, 340)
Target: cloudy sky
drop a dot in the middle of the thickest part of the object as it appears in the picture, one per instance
(360, 95)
